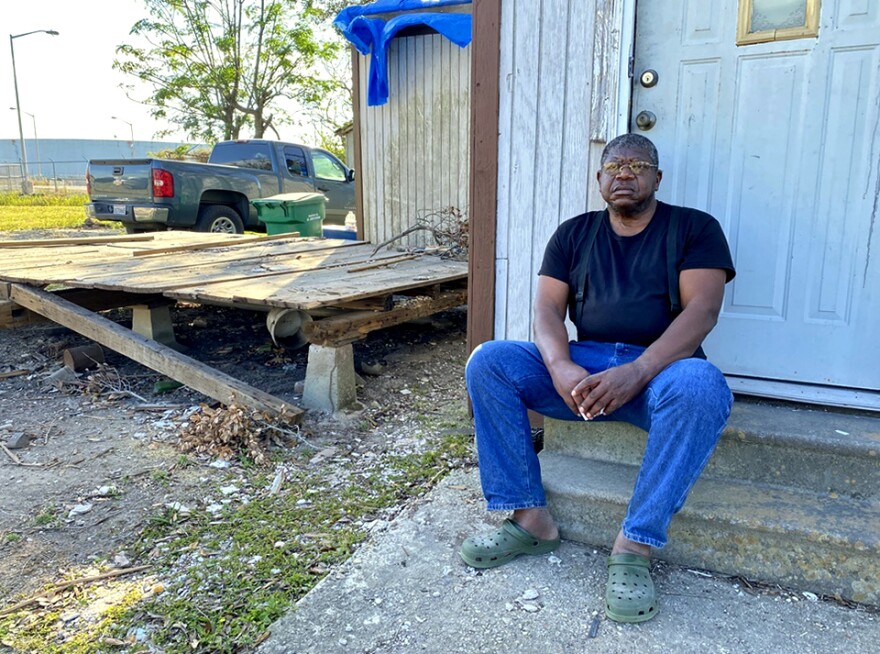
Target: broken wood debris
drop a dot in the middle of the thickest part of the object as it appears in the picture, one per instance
(450, 230)
(156, 356)
(349, 327)
(14, 373)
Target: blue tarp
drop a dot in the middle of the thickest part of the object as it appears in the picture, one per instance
(373, 35)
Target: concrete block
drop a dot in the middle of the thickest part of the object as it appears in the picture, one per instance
(330, 379)
(153, 321)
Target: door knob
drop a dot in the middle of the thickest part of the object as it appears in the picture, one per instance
(646, 120)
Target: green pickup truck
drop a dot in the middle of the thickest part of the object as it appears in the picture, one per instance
(158, 194)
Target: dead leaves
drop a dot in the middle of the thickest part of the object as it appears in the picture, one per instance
(236, 430)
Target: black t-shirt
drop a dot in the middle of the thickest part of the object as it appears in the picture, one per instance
(627, 292)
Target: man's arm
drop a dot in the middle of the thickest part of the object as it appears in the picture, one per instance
(702, 291)
(551, 337)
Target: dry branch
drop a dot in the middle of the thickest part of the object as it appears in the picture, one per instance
(74, 582)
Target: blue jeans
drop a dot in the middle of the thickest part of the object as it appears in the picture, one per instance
(683, 409)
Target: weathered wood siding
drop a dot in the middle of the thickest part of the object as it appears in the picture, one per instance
(415, 149)
(555, 113)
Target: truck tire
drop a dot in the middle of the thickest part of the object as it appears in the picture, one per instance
(219, 218)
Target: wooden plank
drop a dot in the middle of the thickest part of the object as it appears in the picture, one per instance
(164, 280)
(320, 288)
(350, 327)
(526, 142)
(378, 303)
(464, 128)
(196, 375)
(485, 62)
(14, 260)
(144, 275)
(206, 245)
(550, 124)
(356, 137)
(606, 51)
(49, 242)
(575, 168)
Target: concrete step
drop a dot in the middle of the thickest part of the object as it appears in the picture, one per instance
(812, 450)
(799, 539)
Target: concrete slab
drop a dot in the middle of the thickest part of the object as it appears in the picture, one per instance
(407, 591)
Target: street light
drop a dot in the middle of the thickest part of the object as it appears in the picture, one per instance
(131, 128)
(25, 187)
(36, 140)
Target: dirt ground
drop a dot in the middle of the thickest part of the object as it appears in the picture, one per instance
(102, 452)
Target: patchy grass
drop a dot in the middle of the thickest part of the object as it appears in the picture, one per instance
(47, 517)
(19, 212)
(224, 570)
(20, 218)
(39, 200)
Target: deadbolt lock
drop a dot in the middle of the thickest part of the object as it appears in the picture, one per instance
(649, 78)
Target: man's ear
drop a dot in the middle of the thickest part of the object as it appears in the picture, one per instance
(659, 177)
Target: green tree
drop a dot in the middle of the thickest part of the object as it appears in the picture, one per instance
(217, 66)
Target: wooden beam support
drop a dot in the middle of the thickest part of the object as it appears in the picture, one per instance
(14, 315)
(483, 201)
(99, 300)
(435, 290)
(378, 303)
(160, 358)
(350, 327)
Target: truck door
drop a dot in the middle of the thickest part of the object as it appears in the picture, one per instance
(295, 176)
(336, 182)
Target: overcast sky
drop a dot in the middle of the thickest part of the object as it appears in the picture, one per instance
(67, 81)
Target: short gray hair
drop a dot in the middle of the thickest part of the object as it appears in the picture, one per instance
(632, 141)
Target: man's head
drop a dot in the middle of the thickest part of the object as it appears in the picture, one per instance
(630, 174)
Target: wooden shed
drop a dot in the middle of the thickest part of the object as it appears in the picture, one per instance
(766, 114)
(412, 153)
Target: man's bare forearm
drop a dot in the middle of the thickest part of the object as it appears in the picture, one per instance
(551, 337)
(680, 340)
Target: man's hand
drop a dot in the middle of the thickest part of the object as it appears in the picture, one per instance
(567, 376)
(605, 392)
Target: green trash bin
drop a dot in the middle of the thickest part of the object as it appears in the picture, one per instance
(292, 212)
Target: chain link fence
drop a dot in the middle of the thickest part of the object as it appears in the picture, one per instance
(45, 176)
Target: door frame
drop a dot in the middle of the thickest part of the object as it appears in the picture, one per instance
(781, 390)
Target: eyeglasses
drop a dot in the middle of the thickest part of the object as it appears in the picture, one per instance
(613, 168)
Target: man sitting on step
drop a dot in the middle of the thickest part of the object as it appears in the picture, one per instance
(643, 282)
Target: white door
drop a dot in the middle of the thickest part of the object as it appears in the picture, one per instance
(779, 141)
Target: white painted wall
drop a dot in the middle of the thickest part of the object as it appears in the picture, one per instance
(553, 122)
(415, 149)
